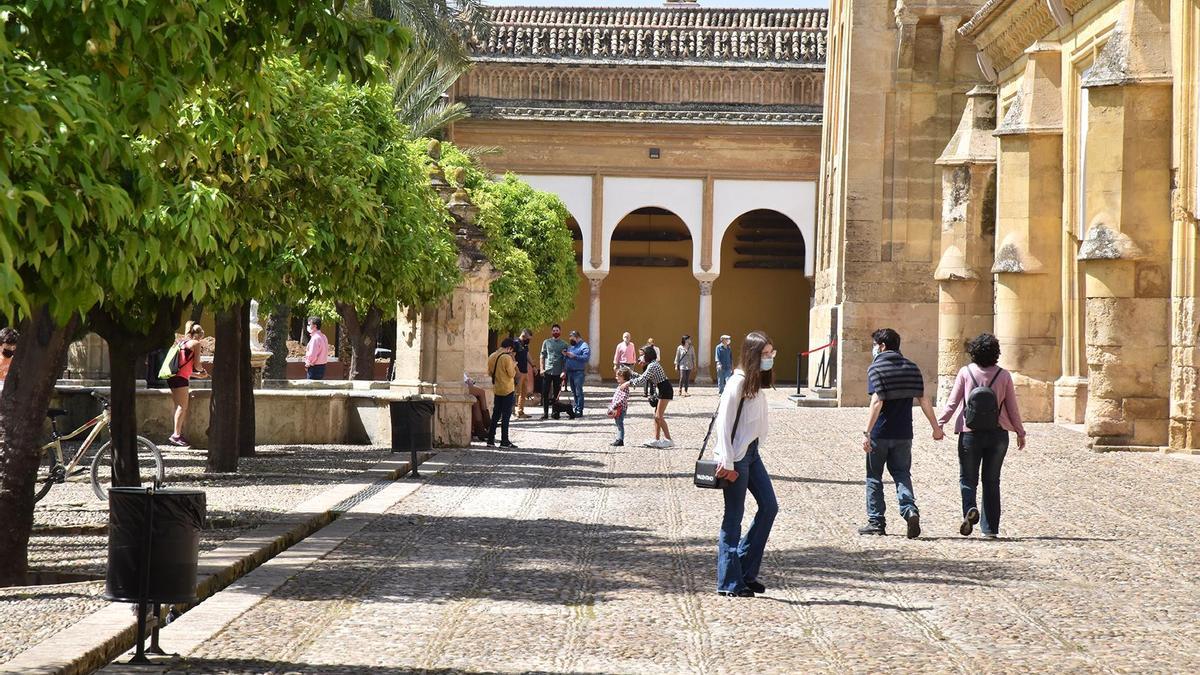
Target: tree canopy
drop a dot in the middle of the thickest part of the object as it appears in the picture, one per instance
(528, 242)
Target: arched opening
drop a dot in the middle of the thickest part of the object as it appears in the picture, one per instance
(650, 290)
(762, 286)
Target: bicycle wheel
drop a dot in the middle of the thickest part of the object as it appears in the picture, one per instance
(49, 473)
(150, 467)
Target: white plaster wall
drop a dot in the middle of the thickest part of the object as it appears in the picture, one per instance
(682, 196)
(795, 199)
(576, 193)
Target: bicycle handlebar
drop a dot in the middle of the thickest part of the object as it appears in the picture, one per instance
(100, 397)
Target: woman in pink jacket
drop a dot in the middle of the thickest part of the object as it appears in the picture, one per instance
(986, 445)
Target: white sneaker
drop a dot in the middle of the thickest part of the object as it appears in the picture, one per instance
(650, 444)
(666, 443)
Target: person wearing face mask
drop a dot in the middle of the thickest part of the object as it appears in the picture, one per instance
(740, 430)
(577, 356)
(552, 368)
(524, 382)
(8, 349)
(893, 382)
(317, 354)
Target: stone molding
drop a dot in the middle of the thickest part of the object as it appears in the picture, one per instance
(1003, 29)
(1103, 243)
(589, 111)
(974, 140)
(681, 35)
(1137, 52)
(553, 82)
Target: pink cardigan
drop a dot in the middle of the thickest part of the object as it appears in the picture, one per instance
(1006, 397)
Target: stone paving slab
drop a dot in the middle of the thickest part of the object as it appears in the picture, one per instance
(567, 555)
(92, 641)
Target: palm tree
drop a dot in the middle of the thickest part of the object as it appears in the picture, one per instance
(420, 82)
(443, 26)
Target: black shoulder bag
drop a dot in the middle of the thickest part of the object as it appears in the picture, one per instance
(706, 469)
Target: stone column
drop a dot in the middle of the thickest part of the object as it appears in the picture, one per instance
(87, 361)
(965, 288)
(1029, 235)
(595, 279)
(1127, 247)
(437, 345)
(703, 341)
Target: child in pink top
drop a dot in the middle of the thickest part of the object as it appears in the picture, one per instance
(620, 403)
(982, 451)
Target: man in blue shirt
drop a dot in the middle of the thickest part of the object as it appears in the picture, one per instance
(893, 382)
(577, 355)
(723, 358)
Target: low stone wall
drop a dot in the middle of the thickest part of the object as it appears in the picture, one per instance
(305, 414)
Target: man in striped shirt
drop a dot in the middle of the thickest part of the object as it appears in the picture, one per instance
(893, 382)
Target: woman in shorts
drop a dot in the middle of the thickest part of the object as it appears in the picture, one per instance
(190, 351)
(656, 377)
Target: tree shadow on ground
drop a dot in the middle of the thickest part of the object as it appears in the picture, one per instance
(423, 558)
(263, 666)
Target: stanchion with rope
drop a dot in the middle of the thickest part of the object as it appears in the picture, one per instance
(822, 369)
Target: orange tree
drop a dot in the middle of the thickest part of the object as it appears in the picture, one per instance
(101, 208)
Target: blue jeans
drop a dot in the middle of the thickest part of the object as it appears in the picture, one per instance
(738, 557)
(576, 380)
(315, 372)
(621, 424)
(722, 376)
(896, 455)
(986, 448)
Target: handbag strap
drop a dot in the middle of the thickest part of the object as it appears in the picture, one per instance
(712, 420)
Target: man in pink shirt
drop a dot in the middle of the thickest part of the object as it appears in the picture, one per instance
(317, 354)
(626, 354)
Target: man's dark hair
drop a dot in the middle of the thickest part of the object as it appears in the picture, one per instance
(984, 350)
(315, 320)
(508, 343)
(887, 337)
(554, 325)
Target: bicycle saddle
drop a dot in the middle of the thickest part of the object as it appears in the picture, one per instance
(55, 412)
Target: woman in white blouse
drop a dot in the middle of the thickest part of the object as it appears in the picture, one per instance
(740, 428)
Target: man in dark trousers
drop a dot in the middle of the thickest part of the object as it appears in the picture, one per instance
(552, 368)
(893, 382)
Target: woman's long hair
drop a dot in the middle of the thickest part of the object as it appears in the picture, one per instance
(191, 328)
(751, 363)
(649, 355)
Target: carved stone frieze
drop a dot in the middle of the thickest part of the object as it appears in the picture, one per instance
(647, 83)
(591, 111)
(1003, 29)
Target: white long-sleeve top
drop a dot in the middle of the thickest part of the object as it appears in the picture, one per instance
(752, 425)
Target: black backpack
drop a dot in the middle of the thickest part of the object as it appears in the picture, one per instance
(982, 411)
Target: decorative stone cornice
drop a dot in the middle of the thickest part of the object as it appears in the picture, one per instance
(594, 111)
(683, 35)
(1003, 29)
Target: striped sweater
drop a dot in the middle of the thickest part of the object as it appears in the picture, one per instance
(892, 376)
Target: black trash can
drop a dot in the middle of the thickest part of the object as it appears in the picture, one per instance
(412, 426)
(154, 536)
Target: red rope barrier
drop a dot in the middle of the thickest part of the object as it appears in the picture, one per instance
(811, 351)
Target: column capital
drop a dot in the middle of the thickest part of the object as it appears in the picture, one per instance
(595, 285)
(706, 287)
(706, 277)
(595, 276)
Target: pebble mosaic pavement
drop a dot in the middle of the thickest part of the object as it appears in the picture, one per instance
(568, 555)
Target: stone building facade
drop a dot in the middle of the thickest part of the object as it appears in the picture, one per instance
(684, 141)
(1096, 227)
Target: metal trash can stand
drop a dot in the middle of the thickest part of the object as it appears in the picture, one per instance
(154, 537)
(412, 428)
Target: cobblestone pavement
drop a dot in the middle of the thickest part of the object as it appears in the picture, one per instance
(569, 555)
(70, 538)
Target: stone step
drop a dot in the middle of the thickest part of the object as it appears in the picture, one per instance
(810, 398)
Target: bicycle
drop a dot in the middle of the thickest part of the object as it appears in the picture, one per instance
(56, 471)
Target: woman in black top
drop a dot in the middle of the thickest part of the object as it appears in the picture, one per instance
(657, 377)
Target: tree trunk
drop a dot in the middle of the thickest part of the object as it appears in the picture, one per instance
(226, 406)
(126, 348)
(276, 341)
(363, 335)
(197, 312)
(246, 385)
(40, 358)
(123, 359)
